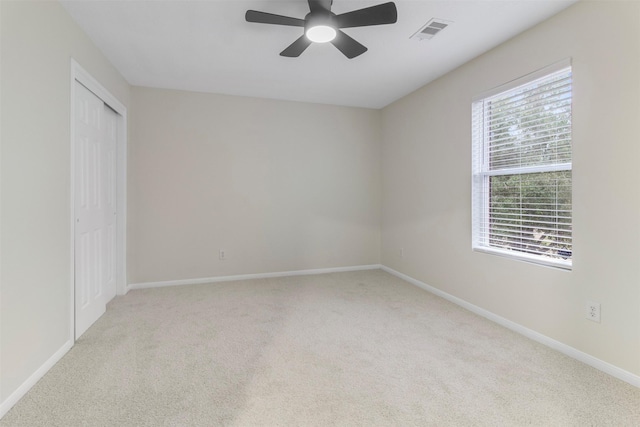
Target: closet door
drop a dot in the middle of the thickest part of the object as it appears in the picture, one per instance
(94, 207)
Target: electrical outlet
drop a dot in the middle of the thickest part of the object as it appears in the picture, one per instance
(593, 311)
(222, 254)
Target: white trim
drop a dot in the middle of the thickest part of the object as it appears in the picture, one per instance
(574, 353)
(72, 197)
(145, 285)
(33, 379)
(557, 66)
(79, 74)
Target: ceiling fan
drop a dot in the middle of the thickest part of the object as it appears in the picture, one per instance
(322, 26)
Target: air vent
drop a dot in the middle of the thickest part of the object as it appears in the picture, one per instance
(431, 28)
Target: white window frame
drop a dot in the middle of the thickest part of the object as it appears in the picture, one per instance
(481, 175)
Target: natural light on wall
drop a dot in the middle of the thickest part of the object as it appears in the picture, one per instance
(522, 168)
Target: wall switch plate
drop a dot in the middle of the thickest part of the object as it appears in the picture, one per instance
(593, 311)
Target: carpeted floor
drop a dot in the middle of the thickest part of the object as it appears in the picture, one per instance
(357, 349)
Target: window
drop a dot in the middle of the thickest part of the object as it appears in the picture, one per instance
(522, 168)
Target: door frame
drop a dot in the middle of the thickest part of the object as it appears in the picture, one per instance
(80, 75)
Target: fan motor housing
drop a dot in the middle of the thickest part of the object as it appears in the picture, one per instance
(315, 19)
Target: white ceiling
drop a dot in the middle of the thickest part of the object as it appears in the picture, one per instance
(206, 46)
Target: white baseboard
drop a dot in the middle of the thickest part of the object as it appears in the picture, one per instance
(594, 362)
(33, 379)
(197, 281)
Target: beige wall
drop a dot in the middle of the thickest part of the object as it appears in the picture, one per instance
(38, 40)
(280, 186)
(427, 185)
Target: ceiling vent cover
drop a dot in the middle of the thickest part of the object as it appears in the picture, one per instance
(431, 28)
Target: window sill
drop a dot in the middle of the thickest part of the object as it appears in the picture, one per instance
(565, 265)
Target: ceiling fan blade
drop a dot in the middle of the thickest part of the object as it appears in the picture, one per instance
(270, 18)
(316, 5)
(348, 46)
(296, 48)
(385, 13)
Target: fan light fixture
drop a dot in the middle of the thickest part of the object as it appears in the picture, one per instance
(320, 27)
(321, 33)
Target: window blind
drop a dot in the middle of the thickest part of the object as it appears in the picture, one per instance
(522, 170)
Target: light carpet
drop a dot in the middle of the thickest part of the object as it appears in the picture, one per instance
(358, 349)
